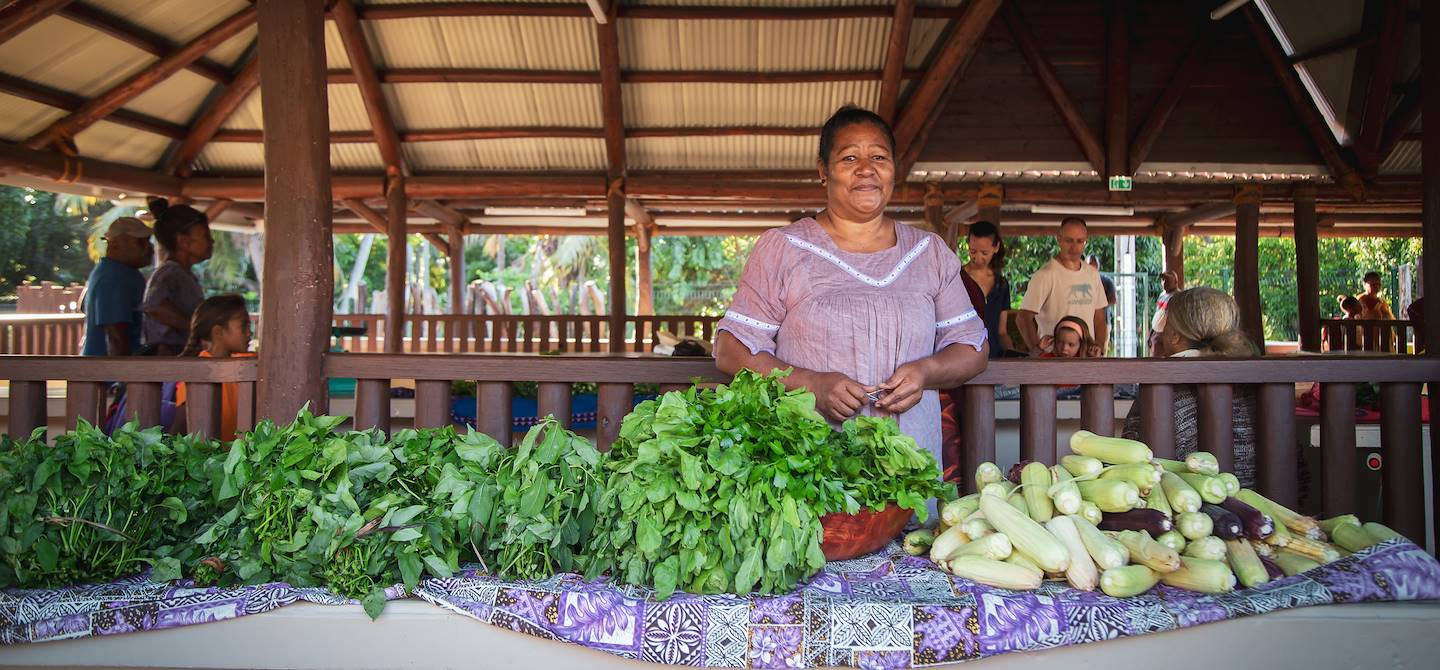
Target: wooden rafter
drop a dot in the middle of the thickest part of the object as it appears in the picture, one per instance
(372, 217)
(449, 216)
(1304, 106)
(347, 23)
(140, 38)
(54, 166)
(18, 15)
(115, 98)
(207, 123)
(928, 95)
(1406, 113)
(70, 102)
(600, 9)
(582, 10)
(896, 49)
(1045, 73)
(452, 134)
(1382, 79)
(492, 76)
(607, 39)
(1175, 86)
(1360, 39)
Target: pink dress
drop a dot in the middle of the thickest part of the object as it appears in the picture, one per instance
(817, 307)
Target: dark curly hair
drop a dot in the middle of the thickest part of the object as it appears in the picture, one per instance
(173, 221)
(847, 116)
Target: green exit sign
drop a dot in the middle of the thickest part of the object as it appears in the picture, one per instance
(1121, 183)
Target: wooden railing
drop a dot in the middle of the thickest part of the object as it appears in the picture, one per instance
(41, 334)
(1374, 335)
(1272, 381)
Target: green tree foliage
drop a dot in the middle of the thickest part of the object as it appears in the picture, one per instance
(37, 243)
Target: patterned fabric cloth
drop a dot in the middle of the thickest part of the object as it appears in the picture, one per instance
(886, 610)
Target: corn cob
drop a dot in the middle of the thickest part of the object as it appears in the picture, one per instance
(1157, 501)
(1113, 450)
(1202, 575)
(1081, 573)
(995, 573)
(1281, 536)
(1258, 525)
(1194, 525)
(1026, 535)
(1063, 492)
(1381, 532)
(1172, 539)
(1017, 500)
(956, 510)
(947, 543)
(1148, 520)
(1001, 488)
(994, 546)
(976, 528)
(1293, 563)
(1208, 547)
(1143, 475)
(1020, 559)
(1231, 482)
(1329, 525)
(1081, 466)
(1127, 581)
(918, 542)
(1314, 550)
(1111, 495)
(1246, 565)
(1035, 480)
(1182, 498)
(1090, 511)
(1262, 548)
(1211, 490)
(1202, 462)
(1298, 524)
(987, 473)
(1148, 552)
(1171, 465)
(1352, 538)
(1107, 552)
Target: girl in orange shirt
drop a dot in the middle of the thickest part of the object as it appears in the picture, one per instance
(220, 328)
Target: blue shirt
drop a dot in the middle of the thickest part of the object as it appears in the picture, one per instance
(113, 295)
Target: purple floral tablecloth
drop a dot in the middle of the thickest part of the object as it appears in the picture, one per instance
(887, 610)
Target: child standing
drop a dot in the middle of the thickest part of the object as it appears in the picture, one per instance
(220, 328)
(1070, 340)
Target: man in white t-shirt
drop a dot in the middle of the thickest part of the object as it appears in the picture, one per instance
(1065, 286)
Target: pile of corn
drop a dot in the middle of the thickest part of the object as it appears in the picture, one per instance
(1113, 516)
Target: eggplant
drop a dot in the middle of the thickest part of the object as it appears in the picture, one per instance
(1227, 525)
(1014, 474)
(1258, 525)
(1270, 567)
(1152, 521)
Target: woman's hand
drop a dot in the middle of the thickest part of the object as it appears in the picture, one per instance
(903, 389)
(837, 397)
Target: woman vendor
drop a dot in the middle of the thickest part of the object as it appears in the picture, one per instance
(871, 314)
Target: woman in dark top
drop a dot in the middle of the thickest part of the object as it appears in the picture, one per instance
(987, 259)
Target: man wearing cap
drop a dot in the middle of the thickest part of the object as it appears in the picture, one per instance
(116, 289)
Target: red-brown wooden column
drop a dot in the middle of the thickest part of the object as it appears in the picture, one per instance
(1307, 267)
(615, 206)
(1247, 263)
(298, 285)
(396, 204)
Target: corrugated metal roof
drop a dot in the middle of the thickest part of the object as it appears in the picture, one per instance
(176, 99)
(179, 20)
(753, 46)
(356, 157)
(722, 105)
(765, 3)
(923, 35)
(1405, 160)
(21, 118)
(347, 110)
(231, 157)
(720, 153)
(335, 56)
(113, 142)
(541, 43)
(492, 105)
(70, 57)
(510, 154)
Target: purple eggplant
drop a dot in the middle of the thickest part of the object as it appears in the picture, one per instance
(1227, 525)
(1014, 474)
(1258, 525)
(1152, 521)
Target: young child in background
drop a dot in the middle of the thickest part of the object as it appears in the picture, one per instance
(1070, 340)
(220, 328)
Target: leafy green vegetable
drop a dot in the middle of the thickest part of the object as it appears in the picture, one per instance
(882, 465)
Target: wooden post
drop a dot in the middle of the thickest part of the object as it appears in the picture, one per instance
(1404, 477)
(644, 280)
(203, 410)
(615, 208)
(1247, 262)
(1117, 88)
(1279, 467)
(27, 408)
(1337, 449)
(989, 199)
(1430, 192)
(1173, 237)
(457, 273)
(83, 400)
(1037, 423)
(935, 214)
(1307, 268)
(396, 205)
(298, 284)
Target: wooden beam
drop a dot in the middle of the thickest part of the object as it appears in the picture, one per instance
(1117, 89)
(208, 121)
(493, 76)
(438, 242)
(896, 49)
(1247, 263)
(1382, 79)
(70, 102)
(1173, 239)
(1175, 87)
(457, 268)
(19, 15)
(615, 245)
(692, 13)
(1307, 269)
(1045, 73)
(397, 208)
(1334, 46)
(600, 9)
(449, 217)
(1200, 214)
(115, 98)
(140, 38)
(217, 208)
(456, 134)
(1430, 169)
(612, 106)
(372, 217)
(1310, 118)
(644, 279)
(1406, 113)
(297, 288)
(56, 167)
(347, 23)
(949, 60)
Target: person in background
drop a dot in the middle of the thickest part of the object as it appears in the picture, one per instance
(115, 290)
(173, 292)
(1169, 284)
(219, 329)
(1372, 306)
(1416, 313)
(1070, 340)
(1106, 282)
(1349, 307)
(1202, 322)
(1065, 286)
(987, 259)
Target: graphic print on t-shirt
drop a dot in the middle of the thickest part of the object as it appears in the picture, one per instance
(1082, 295)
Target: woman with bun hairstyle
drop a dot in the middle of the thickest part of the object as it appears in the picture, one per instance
(173, 292)
(1202, 322)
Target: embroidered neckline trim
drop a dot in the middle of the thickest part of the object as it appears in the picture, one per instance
(877, 283)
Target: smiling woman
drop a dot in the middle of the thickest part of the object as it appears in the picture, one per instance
(871, 315)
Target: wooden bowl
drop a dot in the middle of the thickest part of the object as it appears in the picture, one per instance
(847, 536)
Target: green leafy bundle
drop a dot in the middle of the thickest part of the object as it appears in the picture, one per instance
(94, 508)
(719, 491)
(881, 465)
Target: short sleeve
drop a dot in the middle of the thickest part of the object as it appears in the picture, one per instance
(956, 320)
(1037, 291)
(758, 309)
